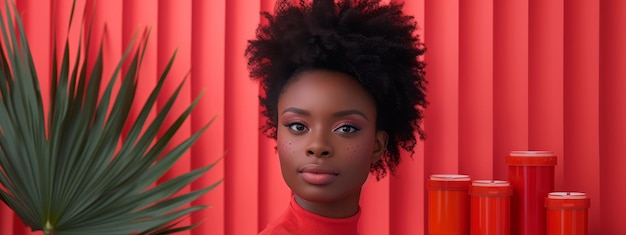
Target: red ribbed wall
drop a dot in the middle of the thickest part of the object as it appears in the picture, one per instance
(504, 75)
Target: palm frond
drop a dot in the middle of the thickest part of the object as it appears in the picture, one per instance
(69, 174)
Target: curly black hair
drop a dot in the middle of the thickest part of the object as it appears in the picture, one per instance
(372, 42)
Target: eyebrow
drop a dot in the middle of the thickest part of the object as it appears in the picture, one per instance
(336, 114)
(296, 110)
(350, 112)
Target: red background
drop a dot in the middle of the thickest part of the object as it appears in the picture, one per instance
(504, 75)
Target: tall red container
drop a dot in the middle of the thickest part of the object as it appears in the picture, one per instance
(531, 174)
(567, 213)
(448, 204)
(490, 207)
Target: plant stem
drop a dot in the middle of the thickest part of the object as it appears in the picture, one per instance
(47, 229)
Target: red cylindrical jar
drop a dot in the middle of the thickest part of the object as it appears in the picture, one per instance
(567, 213)
(448, 204)
(531, 174)
(490, 207)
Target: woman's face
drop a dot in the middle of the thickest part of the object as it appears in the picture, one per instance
(327, 136)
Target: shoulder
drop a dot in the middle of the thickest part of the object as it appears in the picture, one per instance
(286, 224)
(282, 227)
(278, 230)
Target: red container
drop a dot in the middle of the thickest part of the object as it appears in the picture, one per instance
(531, 174)
(490, 207)
(448, 204)
(567, 213)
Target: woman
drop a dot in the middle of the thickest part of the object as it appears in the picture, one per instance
(344, 92)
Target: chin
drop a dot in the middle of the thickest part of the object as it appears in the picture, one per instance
(323, 195)
(315, 195)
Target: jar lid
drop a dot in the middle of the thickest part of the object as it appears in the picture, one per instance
(449, 182)
(566, 200)
(491, 188)
(450, 177)
(567, 195)
(531, 153)
(531, 158)
(491, 183)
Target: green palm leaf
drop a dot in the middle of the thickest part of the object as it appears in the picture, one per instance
(69, 174)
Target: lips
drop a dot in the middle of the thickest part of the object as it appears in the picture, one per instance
(317, 174)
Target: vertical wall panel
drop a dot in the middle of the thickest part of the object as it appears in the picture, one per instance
(510, 81)
(406, 203)
(207, 73)
(174, 20)
(442, 39)
(612, 115)
(6, 219)
(39, 36)
(406, 199)
(545, 75)
(374, 206)
(241, 125)
(140, 16)
(106, 31)
(61, 20)
(581, 89)
(476, 88)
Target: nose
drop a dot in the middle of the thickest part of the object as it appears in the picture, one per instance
(319, 147)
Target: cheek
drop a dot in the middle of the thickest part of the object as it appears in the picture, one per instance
(358, 152)
(352, 151)
(285, 148)
(358, 162)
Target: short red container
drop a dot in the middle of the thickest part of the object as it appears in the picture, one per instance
(531, 174)
(490, 207)
(448, 204)
(567, 213)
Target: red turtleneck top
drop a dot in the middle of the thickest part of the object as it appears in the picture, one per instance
(297, 220)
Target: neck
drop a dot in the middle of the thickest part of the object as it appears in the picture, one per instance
(342, 208)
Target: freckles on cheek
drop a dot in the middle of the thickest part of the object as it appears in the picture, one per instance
(286, 147)
(356, 152)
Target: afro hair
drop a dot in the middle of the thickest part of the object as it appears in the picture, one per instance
(373, 42)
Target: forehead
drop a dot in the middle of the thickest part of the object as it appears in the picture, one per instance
(328, 88)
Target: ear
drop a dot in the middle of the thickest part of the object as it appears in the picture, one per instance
(380, 146)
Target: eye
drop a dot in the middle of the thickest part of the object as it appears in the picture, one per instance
(347, 129)
(296, 127)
